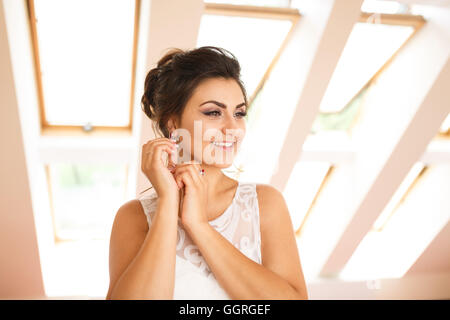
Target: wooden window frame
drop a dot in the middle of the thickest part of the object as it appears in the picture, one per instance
(391, 19)
(78, 130)
(56, 237)
(247, 11)
(402, 199)
(415, 21)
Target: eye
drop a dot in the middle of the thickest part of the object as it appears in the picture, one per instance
(217, 113)
(212, 113)
(241, 114)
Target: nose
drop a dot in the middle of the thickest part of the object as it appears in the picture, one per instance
(231, 129)
(230, 122)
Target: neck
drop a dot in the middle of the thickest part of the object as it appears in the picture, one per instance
(215, 179)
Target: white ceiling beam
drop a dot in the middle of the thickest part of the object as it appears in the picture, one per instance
(342, 151)
(172, 23)
(399, 124)
(438, 151)
(329, 24)
(21, 274)
(92, 150)
(436, 257)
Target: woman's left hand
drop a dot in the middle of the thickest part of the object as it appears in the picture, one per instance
(194, 201)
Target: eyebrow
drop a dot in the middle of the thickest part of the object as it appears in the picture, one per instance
(220, 104)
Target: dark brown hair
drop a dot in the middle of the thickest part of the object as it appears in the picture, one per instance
(169, 86)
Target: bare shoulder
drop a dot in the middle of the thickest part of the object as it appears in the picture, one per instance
(270, 201)
(128, 232)
(131, 216)
(269, 196)
(268, 193)
(279, 249)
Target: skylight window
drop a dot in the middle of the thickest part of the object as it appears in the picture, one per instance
(85, 198)
(372, 44)
(303, 187)
(84, 52)
(368, 48)
(255, 41)
(383, 6)
(445, 127)
(265, 3)
(417, 217)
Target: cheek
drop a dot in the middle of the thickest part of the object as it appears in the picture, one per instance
(209, 133)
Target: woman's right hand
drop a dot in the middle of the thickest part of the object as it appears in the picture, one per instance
(153, 167)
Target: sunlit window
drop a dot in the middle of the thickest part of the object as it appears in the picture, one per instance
(254, 41)
(383, 6)
(84, 51)
(445, 127)
(370, 47)
(417, 212)
(399, 196)
(302, 188)
(85, 198)
(262, 3)
(258, 37)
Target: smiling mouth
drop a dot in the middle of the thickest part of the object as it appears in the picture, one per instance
(225, 144)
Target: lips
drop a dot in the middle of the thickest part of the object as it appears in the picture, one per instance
(232, 140)
(224, 144)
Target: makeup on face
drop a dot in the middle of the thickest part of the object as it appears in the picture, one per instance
(216, 113)
(226, 145)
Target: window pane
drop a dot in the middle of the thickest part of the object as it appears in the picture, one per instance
(414, 223)
(85, 198)
(261, 3)
(342, 120)
(401, 192)
(368, 48)
(445, 127)
(381, 6)
(303, 185)
(253, 41)
(85, 51)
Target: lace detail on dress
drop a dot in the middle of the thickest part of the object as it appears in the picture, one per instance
(239, 224)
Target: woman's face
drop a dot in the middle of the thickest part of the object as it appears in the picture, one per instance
(215, 112)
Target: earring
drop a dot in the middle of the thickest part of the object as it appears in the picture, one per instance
(175, 138)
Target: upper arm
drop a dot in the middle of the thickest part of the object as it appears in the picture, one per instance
(127, 235)
(278, 243)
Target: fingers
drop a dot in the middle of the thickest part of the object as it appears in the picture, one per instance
(183, 179)
(153, 149)
(188, 174)
(148, 147)
(194, 170)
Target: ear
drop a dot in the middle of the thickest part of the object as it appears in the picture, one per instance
(171, 124)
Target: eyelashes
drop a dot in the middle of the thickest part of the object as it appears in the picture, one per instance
(218, 113)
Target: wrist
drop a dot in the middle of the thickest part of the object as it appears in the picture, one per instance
(169, 204)
(169, 198)
(197, 228)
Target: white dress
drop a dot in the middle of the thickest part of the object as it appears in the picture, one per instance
(239, 224)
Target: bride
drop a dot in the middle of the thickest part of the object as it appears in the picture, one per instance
(201, 234)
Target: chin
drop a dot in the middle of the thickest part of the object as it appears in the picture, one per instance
(221, 165)
(218, 164)
(222, 161)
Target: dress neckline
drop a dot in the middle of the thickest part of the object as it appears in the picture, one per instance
(228, 209)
